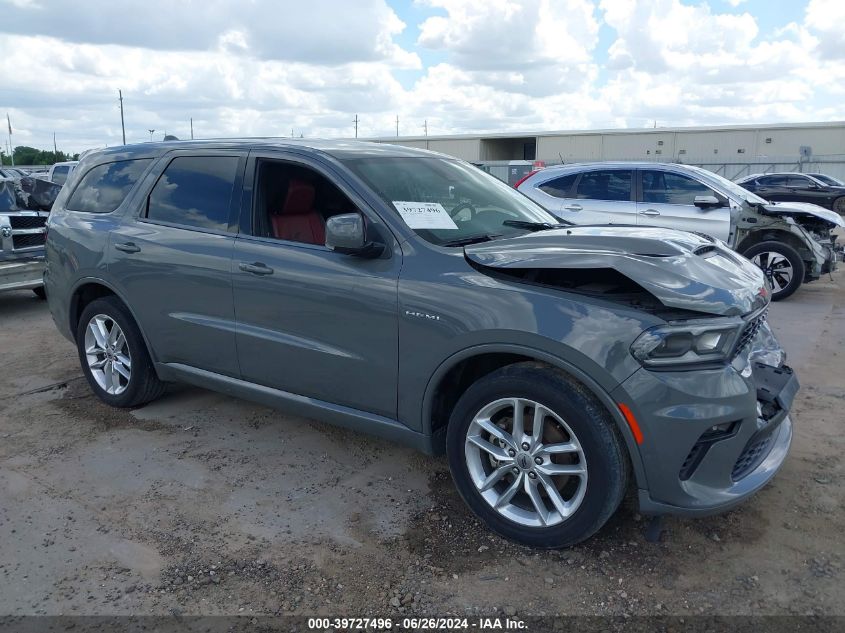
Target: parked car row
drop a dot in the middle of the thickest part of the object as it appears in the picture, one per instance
(791, 242)
(408, 294)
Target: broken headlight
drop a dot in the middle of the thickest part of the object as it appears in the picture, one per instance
(689, 343)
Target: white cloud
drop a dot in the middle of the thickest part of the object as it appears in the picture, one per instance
(263, 68)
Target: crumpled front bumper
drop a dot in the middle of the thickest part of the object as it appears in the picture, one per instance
(711, 438)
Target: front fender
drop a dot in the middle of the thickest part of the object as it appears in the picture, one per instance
(600, 388)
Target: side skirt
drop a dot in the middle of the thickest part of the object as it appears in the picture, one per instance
(295, 404)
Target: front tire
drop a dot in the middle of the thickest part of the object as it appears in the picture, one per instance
(781, 264)
(839, 205)
(114, 357)
(536, 456)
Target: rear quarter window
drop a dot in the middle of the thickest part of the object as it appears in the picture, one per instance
(105, 187)
(559, 187)
(195, 191)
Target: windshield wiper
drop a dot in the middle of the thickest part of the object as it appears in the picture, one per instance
(472, 239)
(534, 226)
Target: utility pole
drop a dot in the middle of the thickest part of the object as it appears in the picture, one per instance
(122, 126)
(425, 127)
(355, 121)
(192, 128)
(397, 125)
(55, 150)
(11, 147)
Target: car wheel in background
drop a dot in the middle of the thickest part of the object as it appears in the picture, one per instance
(782, 265)
(114, 356)
(536, 456)
(839, 205)
(40, 292)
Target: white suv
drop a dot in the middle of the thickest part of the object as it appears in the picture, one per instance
(791, 242)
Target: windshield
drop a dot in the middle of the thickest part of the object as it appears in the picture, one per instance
(731, 187)
(828, 180)
(448, 201)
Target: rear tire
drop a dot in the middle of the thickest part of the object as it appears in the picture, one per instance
(114, 356)
(578, 453)
(781, 264)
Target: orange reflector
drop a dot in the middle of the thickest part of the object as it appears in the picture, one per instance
(632, 422)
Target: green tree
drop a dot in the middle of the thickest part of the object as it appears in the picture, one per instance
(25, 155)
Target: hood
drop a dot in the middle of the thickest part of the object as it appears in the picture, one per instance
(682, 270)
(803, 209)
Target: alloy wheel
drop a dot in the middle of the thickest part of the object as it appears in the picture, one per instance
(526, 462)
(776, 267)
(107, 354)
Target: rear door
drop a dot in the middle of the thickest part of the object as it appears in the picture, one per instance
(772, 188)
(666, 200)
(602, 196)
(171, 258)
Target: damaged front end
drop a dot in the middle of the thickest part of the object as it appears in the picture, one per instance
(712, 393)
(808, 227)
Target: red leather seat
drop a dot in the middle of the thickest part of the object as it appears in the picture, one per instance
(298, 220)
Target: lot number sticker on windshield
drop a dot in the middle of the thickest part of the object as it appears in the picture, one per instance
(424, 215)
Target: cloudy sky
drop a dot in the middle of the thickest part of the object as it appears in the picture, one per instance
(266, 67)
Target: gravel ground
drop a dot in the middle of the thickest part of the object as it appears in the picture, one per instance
(202, 504)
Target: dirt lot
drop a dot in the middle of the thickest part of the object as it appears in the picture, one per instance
(201, 504)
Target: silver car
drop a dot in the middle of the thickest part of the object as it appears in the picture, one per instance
(791, 242)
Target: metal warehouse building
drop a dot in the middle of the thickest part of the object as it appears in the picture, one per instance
(732, 151)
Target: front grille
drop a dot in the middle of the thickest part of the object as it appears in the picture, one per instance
(28, 240)
(749, 333)
(27, 221)
(754, 453)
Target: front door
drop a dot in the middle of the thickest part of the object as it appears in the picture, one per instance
(311, 321)
(667, 198)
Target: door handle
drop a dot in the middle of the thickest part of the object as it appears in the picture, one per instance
(574, 207)
(128, 247)
(256, 269)
(650, 212)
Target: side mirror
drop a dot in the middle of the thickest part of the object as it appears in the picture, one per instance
(706, 202)
(346, 233)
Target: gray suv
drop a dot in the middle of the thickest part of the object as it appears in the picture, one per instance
(407, 294)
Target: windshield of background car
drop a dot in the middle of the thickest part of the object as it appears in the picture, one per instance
(446, 200)
(731, 187)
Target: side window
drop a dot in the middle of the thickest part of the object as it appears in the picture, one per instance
(773, 181)
(195, 191)
(293, 202)
(610, 184)
(60, 174)
(559, 187)
(661, 187)
(798, 182)
(105, 187)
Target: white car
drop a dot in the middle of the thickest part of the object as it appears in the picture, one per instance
(791, 242)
